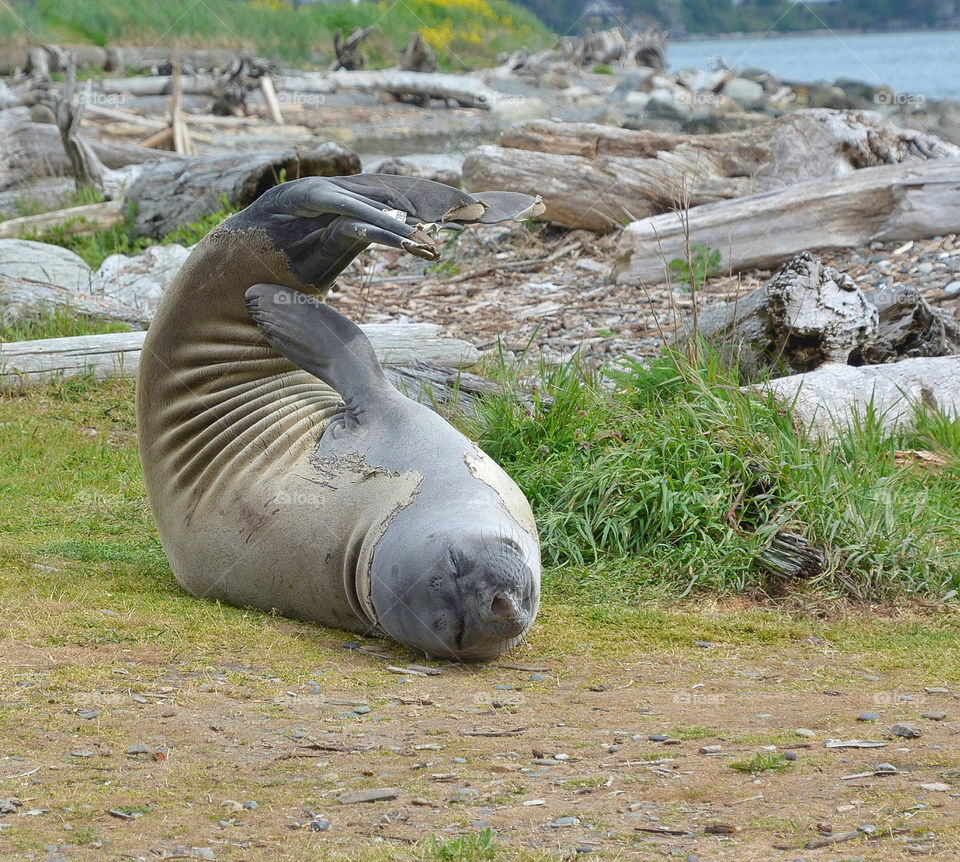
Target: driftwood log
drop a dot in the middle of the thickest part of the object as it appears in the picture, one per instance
(807, 315)
(118, 354)
(825, 402)
(88, 171)
(466, 90)
(894, 202)
(31, 150)
(596, 177)
(21, 298)
(74, 220)
(167, 196)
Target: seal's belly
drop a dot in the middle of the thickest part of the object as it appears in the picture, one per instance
(266, 523)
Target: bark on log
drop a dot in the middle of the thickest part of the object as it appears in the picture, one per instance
(74, 220)
(827, 401)
(118, 354)
(805, 315)
(893, 202)
(166, 196)
(34, 150)
(594, 176)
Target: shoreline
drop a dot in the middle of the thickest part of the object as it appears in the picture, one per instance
(819, 32)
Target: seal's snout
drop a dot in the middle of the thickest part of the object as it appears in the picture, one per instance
(474, 600)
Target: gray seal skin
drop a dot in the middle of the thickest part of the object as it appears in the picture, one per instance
(286, 473)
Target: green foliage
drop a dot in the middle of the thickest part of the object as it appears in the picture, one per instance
(764, 761)
(57, 322)
(122, 237)
(465, 32)
(602, 69)
(676, 479)
(702, 261)
(463, 848)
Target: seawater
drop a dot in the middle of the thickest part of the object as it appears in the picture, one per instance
(913, 64)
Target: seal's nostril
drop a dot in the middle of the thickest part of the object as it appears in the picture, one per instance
(503, 608)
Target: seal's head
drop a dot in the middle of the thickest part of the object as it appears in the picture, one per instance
(456, 591)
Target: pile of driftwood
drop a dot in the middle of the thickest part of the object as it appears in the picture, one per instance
(837, 353)
(599, 177)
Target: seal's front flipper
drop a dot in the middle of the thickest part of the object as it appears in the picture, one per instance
(322, 341)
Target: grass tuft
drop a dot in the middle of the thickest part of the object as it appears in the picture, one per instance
(668, 478)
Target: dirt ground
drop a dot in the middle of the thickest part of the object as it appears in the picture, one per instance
(195, 758)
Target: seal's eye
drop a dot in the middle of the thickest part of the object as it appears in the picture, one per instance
(510, 543)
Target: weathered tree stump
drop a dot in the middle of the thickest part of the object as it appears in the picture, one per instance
(88, 170)
(418, 56)
(169, 194)
(348, 49)
(808, 315)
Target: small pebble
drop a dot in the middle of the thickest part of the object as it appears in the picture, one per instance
(806, 733)
(906, 731)
(319, 825)
(703, 644)
(935, 715)
(867, 829)
(925, 268)
(137, 748)
(250, 805)
(886, 767)
(88, 713)
(538, 677)
(583, 849)
(868, 716)
(360, 710)
(952, 289)
(504, 687)
(560, 822)
(613, 749)
(351, 645)
(459, 760)
(561, 757)
(936, 689)
(935, 786)
(790, 755)
(657, 737)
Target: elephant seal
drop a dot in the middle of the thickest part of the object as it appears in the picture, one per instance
(286, 473)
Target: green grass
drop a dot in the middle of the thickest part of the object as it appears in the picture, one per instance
(57, 323)
(674, 482)
(122, 238)
(464, 32)
(480, 845)
(764, 761)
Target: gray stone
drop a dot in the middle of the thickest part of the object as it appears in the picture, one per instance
(40, 261)
(747, 94)
(137, 748)
(806, 733)
(934, 715)
(664, 103)
(514, 110)
(952, 289)
(439, 167)
(561, 822)
(906, 731)
(373, 795)
(868, 716)
(319, 825)
(138, 281)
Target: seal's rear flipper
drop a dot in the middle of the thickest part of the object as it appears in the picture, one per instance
(321, 341)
